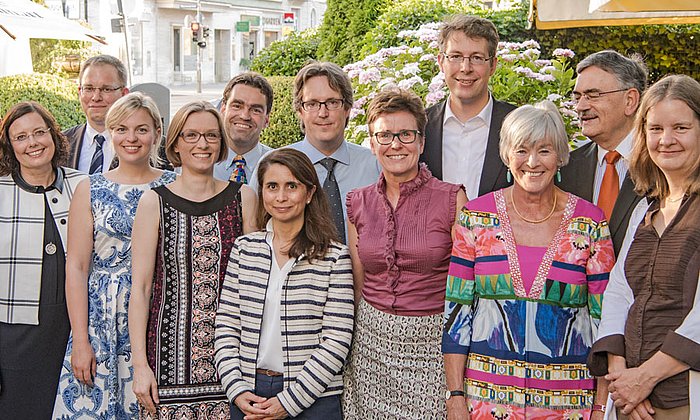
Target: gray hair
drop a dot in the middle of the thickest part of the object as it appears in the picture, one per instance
(105, 60)
(530, 124)
(630, 72)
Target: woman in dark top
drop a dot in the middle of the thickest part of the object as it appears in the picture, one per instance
(183, 234)
(649, 336)
(35, 194)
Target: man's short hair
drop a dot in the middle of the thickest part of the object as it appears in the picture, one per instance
(104, 59)
(471, 27)
(630, 72)
(252, 79)
(337, 79)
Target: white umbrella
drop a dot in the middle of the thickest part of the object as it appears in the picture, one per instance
(26, 19)
(643, 5)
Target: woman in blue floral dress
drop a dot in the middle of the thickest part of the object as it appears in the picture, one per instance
(97, 373)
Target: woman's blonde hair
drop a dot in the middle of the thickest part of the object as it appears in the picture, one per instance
(126, 106)
(648, 178)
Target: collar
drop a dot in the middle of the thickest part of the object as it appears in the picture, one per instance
(38, 189)
(624, 149)
(270, 234)
(484, 115)
(409, 187)
(251, 155)
(90, 134)
(341, 154)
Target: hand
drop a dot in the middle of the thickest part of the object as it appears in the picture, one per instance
(629, 387)
(145, 388)
(272, 410)
(83, 362)
(643, 411)
(246, 402)
(457, 408)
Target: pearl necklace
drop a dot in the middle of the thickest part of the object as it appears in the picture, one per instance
(529, 220)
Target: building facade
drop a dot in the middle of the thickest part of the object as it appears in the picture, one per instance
(159, 41)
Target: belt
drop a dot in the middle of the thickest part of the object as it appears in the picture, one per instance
(268, 372)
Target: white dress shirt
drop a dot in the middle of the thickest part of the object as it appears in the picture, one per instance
(270, 347)
(464, 148)
(625, 150)
(88, 147)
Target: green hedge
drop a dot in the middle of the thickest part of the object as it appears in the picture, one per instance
(286, 57)
(665, 48)
(284, 126)
(58, 95)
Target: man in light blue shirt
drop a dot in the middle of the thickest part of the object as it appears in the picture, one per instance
(323, 98)
(245, 108)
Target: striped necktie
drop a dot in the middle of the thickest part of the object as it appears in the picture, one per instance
(97, 158)
(238, 173)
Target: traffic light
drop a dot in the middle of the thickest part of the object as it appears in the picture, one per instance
(205, 32)
(196, 28)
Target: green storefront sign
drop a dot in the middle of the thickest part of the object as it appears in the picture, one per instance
(243, 26)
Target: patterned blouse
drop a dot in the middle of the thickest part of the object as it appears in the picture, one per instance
(526, 338)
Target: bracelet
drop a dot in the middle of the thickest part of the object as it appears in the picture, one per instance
(598, 407)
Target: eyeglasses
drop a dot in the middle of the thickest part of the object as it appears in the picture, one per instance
(90, 90)
(37, 134)
(475, 60)
(405, 136)
(592, 95)
(194, 136)
(331, 105)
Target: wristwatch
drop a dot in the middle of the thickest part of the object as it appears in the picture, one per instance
(598, 407)
(456, 393)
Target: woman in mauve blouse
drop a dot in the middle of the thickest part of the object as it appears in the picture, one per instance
(400, 238)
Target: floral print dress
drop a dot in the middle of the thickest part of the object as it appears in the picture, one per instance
(526, 318)
(109, 287)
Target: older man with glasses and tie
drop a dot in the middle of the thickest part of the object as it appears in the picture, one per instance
(103, 80)
(607, 94)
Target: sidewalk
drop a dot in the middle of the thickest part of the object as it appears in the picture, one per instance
(182, 94)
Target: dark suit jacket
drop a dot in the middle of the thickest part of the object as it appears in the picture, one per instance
(578, 177)
(75, 140)
(493, 176)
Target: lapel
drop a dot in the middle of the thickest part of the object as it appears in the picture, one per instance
(77, 144)
(626, 201)
(578, 176)
(432, 153)
(493, 175)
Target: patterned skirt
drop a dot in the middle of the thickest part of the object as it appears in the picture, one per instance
(395, 367)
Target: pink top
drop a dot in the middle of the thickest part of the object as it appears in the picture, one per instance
(405, 251)
(529, 257)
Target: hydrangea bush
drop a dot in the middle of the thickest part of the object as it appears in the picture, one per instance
(522, 77)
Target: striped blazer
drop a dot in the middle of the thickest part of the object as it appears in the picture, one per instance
(316, 314)
(22, 242)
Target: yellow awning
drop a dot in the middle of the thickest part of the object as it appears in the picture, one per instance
(557, 14)
(644, 5)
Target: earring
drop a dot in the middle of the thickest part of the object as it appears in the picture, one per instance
(509, 177)
(559, 175)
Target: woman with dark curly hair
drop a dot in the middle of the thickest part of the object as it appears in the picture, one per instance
(35, 194)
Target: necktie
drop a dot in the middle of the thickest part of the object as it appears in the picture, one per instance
(238, 173)
(330, 186)
(610, 186)
(97, 158)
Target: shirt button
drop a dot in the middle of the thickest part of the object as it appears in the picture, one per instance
(63, 221)
(54, 200)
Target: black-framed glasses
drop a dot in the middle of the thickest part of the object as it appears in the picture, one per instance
(475, 60)
(91, 90)
(404, 136)
(37, 134)
(192, 136)
(330, 104)
(594, 94)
